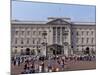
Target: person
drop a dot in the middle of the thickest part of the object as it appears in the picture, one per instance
(57, 69)
(46, 69)
(58, 61)
(24, 72)
(22, 59)
(14, 62)
(36, 67)
(62, 64)
(32, 70)
(42, 64)
(27, 70)
(40, 68)
(18, 62)
(49, 67)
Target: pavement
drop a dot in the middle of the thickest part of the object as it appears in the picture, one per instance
(69, 66)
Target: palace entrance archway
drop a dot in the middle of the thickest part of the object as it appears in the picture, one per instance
(55, 49)
(27, 51)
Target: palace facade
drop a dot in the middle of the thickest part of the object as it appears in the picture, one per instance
(57, 36)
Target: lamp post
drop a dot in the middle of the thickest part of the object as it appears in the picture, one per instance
(44, 43)
(44, 34)
(37, 49)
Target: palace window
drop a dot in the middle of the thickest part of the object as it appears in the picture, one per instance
(33, 46)
(27, 40)
(22, 41)
(22, 32)
(87, 40)
(77, 40)
(63, 29)
(39, 32)
(82, 32)
(34, 32)
(65, 37)
(28, 32)
(15, 46)
(58, 35)
(33, 41)
(16, 40)
(92, 40)
(54, 30)
(82, 40)
(77, 33)
(91, 32)
(87, 32)
(16, 32)
(39, 40)
(58, 39)
(54, 39)
(54, 34)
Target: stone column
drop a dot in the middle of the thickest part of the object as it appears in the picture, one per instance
(56, 35)
(65, 43)
(60, 35)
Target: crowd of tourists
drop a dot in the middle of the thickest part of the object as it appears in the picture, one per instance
(38, 64)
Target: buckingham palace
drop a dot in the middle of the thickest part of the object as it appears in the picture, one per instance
(56, 36)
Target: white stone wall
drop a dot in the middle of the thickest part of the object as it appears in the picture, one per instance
(83, 37)
(21, 31)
